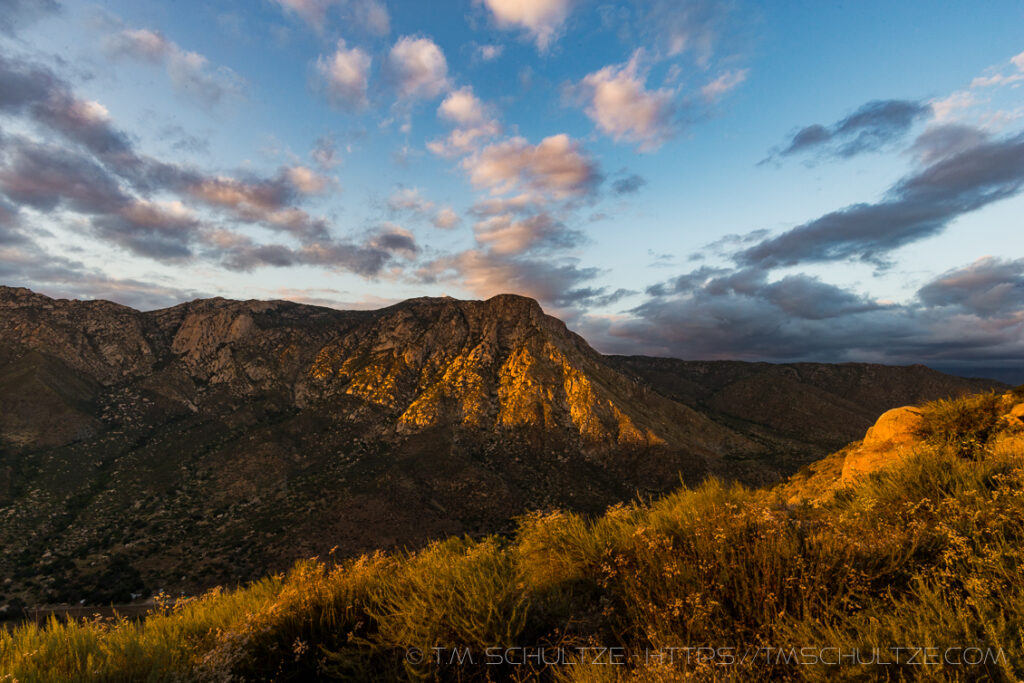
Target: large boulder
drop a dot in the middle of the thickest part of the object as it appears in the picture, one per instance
(891, 438)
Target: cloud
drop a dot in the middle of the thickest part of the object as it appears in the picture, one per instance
(871, 127)
(446, 219)
(15, 14)
(555, 167)
(948, 108)
(939, 142)
(505, 235)
(374, 16)
(628, 185)
(31, 89)
(306, 180)
(189, 72)
(918, 206)
(542, 19)
(1000, 79)
(409, 200)
(325, 152)
(725, 83)
(418, 68)
(157, 230)
(29, 265)
(395, 239)
(473, 124)
(621, 106)
(462, 107)
(45, 177)
(146, 205)
(552, 282)
(972, 313)
(489, 53)
(370, 15)
(346, 74)
(989, 287)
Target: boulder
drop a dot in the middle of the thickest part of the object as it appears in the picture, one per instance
(892, 437)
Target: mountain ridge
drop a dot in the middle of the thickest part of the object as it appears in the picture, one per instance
(216, 440)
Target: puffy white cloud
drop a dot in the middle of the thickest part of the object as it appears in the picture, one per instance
(723, 84)
(489, 52)
(1018, 61)
(556, 166)
(418, 67)
(474, 125)
(464, 140)
(621, 106)
(462, 107)
(446, 219)
(346, 74)
(542, 19)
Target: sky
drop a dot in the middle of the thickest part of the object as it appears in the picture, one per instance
(759, 181)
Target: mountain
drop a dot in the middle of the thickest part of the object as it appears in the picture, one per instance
(798, 412)
(217, 440)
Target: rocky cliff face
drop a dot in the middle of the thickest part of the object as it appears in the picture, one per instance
(217, 440)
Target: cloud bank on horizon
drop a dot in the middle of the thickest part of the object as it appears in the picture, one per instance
(802, 198)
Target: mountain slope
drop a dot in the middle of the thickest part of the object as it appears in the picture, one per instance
(217, 440)
(800, 410)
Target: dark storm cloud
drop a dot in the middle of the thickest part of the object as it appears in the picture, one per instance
(10, 232)
(972, 313)
(939, 142)
(34, 89)
(988, 287)
(103, 176)
(363, 259)
(919, 206)
(396, 241)
(871, 127)
(46, 176)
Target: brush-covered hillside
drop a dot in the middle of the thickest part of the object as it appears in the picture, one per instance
(896, 558)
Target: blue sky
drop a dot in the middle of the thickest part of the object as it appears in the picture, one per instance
(779, 181)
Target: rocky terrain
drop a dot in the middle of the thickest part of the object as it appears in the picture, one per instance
(214, 441)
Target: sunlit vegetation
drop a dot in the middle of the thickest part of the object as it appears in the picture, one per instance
(925, 552)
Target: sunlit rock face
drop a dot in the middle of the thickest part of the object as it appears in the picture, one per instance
(496, 364)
